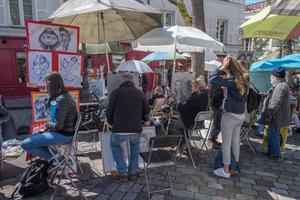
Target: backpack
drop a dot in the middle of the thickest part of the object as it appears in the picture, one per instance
(34, 180)
(253, 99)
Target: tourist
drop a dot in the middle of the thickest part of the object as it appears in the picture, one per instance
(126, 109)
(276, 111)
(60, 130)
(157, 93)
(235, 87)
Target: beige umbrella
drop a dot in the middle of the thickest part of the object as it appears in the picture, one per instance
(103, 21)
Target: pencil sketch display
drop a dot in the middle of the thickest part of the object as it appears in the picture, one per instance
(181, 90)
(46, 36)
(40, 108)
(114, 81)
(69, 66)
(39, 65)
(97, 87)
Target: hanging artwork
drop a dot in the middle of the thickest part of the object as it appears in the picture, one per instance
(39, 64)
(48, 36)
(70, 68)
(97, 87)
(40, 109)
(181, 86)
(248, 56)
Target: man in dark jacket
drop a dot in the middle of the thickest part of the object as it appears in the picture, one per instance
(277, 111)
(126, 109)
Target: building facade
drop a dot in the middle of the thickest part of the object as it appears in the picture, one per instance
(13, 14)
(222, 19)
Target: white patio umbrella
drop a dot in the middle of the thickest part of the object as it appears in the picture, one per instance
(103, 21)
(177, 38)
(134, 66)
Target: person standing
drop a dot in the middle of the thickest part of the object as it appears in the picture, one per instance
(235, 87)
(126, 109)
(277, 111)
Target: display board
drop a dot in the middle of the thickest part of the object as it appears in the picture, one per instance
(181, 86)
(114, 80)
(97, 87)
(107, 156)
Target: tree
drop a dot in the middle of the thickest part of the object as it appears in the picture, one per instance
(198, 22)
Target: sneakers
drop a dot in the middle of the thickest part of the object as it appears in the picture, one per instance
(220, 172)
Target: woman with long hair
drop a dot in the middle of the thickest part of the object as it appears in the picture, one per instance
(60, 129)
(235, 83)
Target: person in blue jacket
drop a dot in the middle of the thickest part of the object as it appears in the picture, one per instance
(235, 84)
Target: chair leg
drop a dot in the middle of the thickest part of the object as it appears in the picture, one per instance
(170, 182)
(250, 145)
(189, 149)
(147, 182)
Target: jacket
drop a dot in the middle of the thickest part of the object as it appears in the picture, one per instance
(65, 117)
(216, 97)
(194, 104)
(278, 107)
(233, 101)
(126, 108)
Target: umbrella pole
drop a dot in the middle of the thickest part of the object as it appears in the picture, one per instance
(106, 51)
(174, 61)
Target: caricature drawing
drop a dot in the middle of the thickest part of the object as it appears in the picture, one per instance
(68, 68)
(41, 109)
(65, 38)
(40, 68)
(48, 39)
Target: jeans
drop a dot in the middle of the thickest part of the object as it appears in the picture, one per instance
(116, 140)
(216, 124)
(1, 140)
(37, 145)
(274, 140)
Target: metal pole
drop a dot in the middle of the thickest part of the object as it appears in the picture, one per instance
(106, 51)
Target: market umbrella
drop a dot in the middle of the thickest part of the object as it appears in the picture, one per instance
(285, 7)
(176, 38)
(134, 66)
(103, 21)
(289, 62)
(162, 56)
(263, 25)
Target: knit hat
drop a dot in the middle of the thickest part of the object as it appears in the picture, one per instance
(279, 72)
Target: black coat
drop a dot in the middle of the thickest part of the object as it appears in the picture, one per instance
(126, 108)
(194, 104)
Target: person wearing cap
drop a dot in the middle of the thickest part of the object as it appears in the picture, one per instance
(126, 108)
(277, 111)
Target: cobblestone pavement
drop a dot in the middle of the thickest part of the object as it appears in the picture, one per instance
(259, 178)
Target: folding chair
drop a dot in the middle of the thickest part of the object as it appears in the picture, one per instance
(158, 156)
(199, 125)
(246, 130)
(62, 160)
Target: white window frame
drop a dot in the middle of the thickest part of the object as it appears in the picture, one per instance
(4, 10)
(21, 13)
(165, 17)
(34, 2)
(225, 31)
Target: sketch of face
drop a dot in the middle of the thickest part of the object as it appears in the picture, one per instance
(40, 66)
(249, 57)
(41, 109)
(65, 38)
(66, 70)
(242, 57)
(48, 39)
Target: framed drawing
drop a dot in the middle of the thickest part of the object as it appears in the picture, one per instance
(70, 68)
(97, 87)
(181, 86)
(39, 64)
(47, 36)
(40, 110)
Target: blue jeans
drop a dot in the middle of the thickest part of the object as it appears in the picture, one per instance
(274, 140)
(37, 145)
(116, 141)
(1, 139)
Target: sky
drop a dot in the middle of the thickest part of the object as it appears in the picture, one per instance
(252, 1)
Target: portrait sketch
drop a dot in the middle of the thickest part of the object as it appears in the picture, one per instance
(181, 86)
(248, 56)
(39, 65)
(46, 36)
(97, 87)
(69, 67)
(40, 108)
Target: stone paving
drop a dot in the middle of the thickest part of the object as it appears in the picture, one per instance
(259, 178)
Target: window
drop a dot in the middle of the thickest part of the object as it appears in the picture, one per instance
(2, 12)
(221, 33)
(20, 10)
(168, 18)
(21, 61)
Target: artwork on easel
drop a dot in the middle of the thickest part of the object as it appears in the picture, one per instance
(40, 108)
(39, 64)
(107, 157)
(70, 68)
(181, 86)
(47, 37)
(97, 87)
